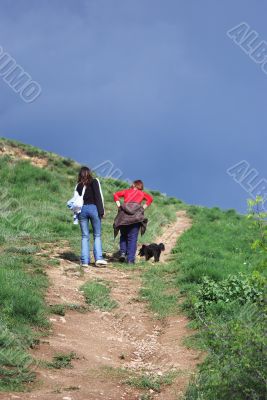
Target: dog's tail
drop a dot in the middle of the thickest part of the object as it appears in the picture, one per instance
(161, 246)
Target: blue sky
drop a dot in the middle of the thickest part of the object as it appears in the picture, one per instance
(154, 86)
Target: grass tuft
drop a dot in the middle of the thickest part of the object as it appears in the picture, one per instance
(61, 360)
(60, 309)
(97, 295)
(150, 381)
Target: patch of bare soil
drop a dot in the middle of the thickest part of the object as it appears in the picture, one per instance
(129, 337)
(18, 153)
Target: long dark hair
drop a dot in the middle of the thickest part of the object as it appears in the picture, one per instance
(85, 176)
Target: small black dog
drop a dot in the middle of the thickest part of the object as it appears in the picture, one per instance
(152, 250)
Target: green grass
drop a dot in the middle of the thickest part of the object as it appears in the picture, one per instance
(140, 380)
(61, 360)
(15, 362)
(151, 381)
(97, 295)
(158, 290)
(21, 308)
(235, 367)
(222, 279)
(33, 215)
(60, 309)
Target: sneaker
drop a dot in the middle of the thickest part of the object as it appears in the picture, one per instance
(122, 257)
(102, 263)
(85, 265)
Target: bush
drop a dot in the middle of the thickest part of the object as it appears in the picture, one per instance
(240, 287)
(236, 365)
(224, 280)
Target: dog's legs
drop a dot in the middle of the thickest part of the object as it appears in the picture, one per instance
(157, 255)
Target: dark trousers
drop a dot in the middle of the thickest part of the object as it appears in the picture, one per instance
(128, 240)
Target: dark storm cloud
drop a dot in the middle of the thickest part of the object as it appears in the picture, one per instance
(155, 86)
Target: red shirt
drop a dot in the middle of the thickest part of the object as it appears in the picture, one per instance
(133, 195)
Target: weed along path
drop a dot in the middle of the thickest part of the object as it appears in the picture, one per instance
(113, 353)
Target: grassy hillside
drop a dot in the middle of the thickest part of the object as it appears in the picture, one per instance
(214, 274)
(222, 281)
(35, 188)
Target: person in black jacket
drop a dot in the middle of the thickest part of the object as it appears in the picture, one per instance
(93, 211)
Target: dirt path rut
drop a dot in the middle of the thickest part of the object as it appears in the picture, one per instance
(107, 344)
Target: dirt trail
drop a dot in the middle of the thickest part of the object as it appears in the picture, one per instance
(106, 342)
(171, 234)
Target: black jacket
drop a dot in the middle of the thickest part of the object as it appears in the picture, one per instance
(93, 195)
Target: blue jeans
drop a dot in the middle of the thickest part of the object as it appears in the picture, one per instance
(89, 213)
(128, 241)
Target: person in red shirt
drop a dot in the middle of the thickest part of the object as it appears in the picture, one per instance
(129, 233)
